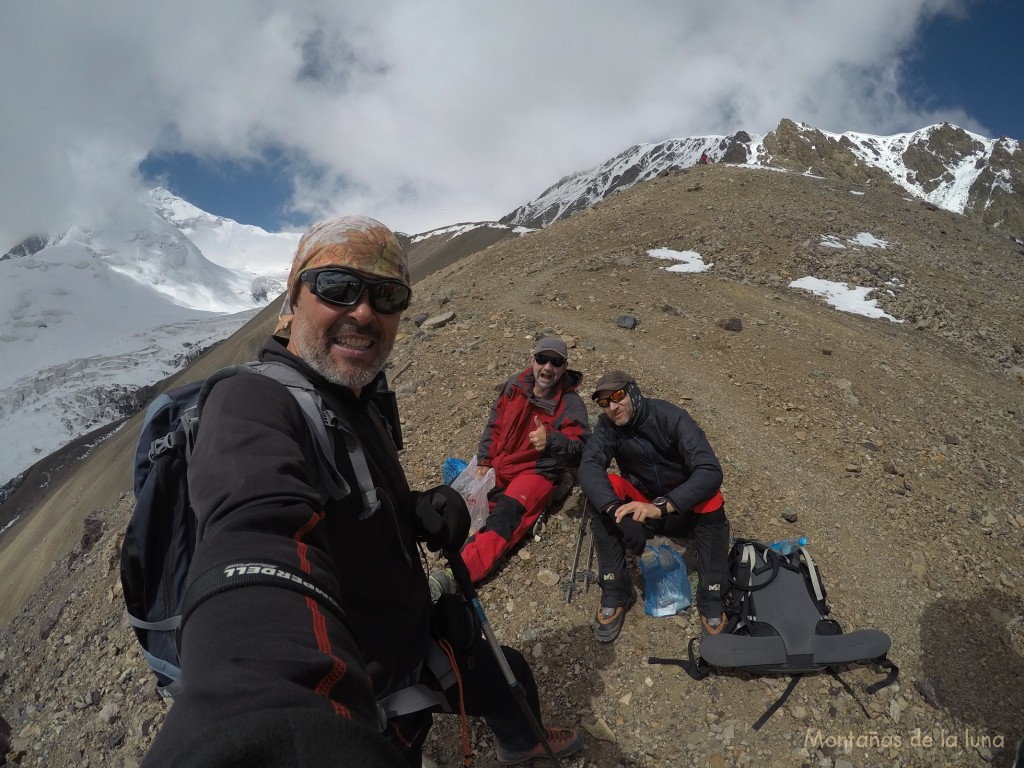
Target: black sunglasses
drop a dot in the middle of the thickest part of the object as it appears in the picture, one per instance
(543, 359)
(344, 288)
(615, 397)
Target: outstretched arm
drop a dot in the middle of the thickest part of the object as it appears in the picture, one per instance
(262, 647)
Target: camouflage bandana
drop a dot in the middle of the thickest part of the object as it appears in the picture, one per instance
(357, 242)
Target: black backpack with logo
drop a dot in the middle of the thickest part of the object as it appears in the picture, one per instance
(777, 623)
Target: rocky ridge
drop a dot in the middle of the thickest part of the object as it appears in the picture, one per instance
(896, 448)
(941, 164)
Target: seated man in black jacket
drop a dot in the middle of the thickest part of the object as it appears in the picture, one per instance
(275, 676)
(669, 484)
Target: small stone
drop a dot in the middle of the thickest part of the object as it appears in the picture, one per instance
(624, 700)
(420, 319)
(733, 324)
(547, 577)
(598, 728)
(789, 515)
(109, 713)
(918, 565)
(626, 321)
(894, 711)
(438, 321)
(648, 682)
(929, 692)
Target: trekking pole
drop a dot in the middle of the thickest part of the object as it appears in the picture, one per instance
(571, 586)
(588, 573)
(461, 573)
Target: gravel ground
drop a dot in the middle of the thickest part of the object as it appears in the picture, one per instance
(897, 448)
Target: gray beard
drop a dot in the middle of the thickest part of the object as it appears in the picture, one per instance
(316, 351)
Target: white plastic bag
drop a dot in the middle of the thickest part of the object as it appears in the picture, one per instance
(474, 490)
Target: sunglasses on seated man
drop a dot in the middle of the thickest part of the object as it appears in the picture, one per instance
(344, 288)
(543, 359)
(615, 397)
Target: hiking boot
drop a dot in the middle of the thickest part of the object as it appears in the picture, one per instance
(563, 487)
(608, 621)
(563, 742)
(441, 581)
(712, 626)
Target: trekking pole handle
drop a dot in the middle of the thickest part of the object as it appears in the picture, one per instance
(461, 572)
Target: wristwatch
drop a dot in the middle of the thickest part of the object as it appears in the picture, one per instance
(662, 504)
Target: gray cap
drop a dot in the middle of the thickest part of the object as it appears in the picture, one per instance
(552, 344)
(612, 381)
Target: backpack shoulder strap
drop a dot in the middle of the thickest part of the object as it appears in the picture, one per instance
(420, 696)
(319, 418)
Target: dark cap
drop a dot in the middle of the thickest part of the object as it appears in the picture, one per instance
(612, 381)
(552, 344)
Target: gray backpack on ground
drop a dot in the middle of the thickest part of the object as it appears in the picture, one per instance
(777, 623)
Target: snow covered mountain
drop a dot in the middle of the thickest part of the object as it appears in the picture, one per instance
(92, 315)
(942, 165)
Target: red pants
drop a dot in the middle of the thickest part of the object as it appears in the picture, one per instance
(514, 510)
(626, 490)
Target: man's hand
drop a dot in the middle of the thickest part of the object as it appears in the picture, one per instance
(481, 471)
(539, 436)
(638, 510)
(634, 535)
(442, 518)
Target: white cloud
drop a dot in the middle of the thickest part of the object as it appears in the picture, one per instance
(421, 114)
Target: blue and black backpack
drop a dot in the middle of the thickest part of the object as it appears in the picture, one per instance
(161, 535)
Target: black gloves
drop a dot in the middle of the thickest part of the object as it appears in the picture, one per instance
(634, 535)
(442, 518)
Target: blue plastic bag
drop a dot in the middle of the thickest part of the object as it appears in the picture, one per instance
(666, 584)
(452, 469)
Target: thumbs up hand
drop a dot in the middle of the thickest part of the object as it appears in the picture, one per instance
(539, 436)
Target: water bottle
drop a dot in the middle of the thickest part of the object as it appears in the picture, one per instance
(789, 546)
(666, 585)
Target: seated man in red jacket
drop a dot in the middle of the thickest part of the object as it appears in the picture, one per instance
(669, 484)
(536, 428)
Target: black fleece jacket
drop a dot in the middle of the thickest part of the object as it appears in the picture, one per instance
(662, 451)
(260, 648)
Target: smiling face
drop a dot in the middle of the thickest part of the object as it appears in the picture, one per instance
(621, 412)
(545, 374)
(346, 345)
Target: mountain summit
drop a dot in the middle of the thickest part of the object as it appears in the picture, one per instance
(943, 165)
(91, 315)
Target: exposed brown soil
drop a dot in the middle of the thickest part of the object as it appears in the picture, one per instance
(898, 447)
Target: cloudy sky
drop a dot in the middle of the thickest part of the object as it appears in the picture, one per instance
(427, 114)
